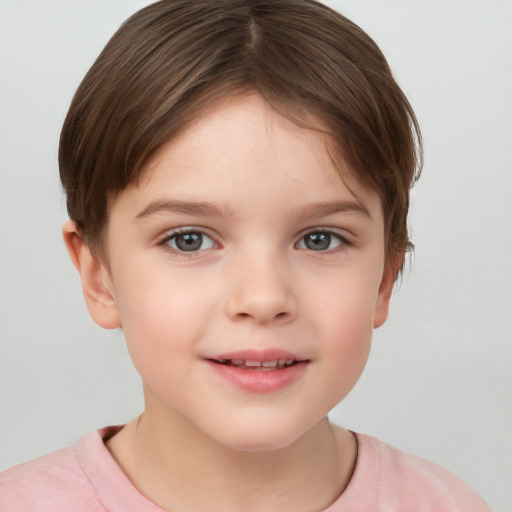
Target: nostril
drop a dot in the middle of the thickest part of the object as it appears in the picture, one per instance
(261, 308)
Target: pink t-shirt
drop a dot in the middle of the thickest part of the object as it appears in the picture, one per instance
(87, 479)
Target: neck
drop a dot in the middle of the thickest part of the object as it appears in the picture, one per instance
(180, 468)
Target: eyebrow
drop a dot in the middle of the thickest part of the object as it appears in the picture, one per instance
(209, 209)
(203, 208)
(332, 208)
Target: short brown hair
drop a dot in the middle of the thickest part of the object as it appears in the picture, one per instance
(172, 59)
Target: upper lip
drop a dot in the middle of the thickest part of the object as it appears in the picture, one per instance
(257, 355)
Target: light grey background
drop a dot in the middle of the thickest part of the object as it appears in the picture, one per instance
(438, 383)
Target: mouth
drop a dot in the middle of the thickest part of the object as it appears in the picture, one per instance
(259, 371)
(255, 365)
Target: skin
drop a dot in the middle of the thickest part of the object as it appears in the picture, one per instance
(203, 443)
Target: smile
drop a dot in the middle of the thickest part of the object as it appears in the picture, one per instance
(246, 364)
(259, 371)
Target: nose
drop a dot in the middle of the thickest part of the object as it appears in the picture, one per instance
(262, 292)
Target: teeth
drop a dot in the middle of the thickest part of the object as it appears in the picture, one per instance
(257, 364)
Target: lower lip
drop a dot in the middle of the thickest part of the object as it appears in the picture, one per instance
(260, 381)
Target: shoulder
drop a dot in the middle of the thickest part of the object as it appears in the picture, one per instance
(412, 482)
(85, 478)
(53, 482)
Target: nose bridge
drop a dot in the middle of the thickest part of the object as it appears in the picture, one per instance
(262, 289)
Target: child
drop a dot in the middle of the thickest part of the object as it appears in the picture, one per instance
(237, 177)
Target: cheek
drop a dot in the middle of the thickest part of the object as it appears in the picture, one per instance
(343, 326)
(163, 314)
(345, 302)
(346, 350)
(347, 335)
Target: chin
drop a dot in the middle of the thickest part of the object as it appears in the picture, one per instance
(259, 437)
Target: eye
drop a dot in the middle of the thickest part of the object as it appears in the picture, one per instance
(189, 241)
(321, 241)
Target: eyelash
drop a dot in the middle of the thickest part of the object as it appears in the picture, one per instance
(182, 232)
(343, 243)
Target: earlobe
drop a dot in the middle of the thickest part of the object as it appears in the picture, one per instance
(385, 290)
(382, 304)
(96, 284)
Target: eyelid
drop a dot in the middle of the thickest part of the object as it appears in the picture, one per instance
(168, 235)
(163, 240)
(342, 233)
(338, 233)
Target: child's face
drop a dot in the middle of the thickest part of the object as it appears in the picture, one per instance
(241, 242)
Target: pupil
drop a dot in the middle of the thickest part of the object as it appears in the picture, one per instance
(318, 241)
(189, 241)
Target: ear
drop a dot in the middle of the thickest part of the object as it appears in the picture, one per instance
(385, 290)
(96, 282)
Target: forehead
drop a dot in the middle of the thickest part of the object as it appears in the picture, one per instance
(246, 127)
(243, 153)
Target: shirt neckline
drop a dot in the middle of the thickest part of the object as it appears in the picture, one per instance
(115, 491)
